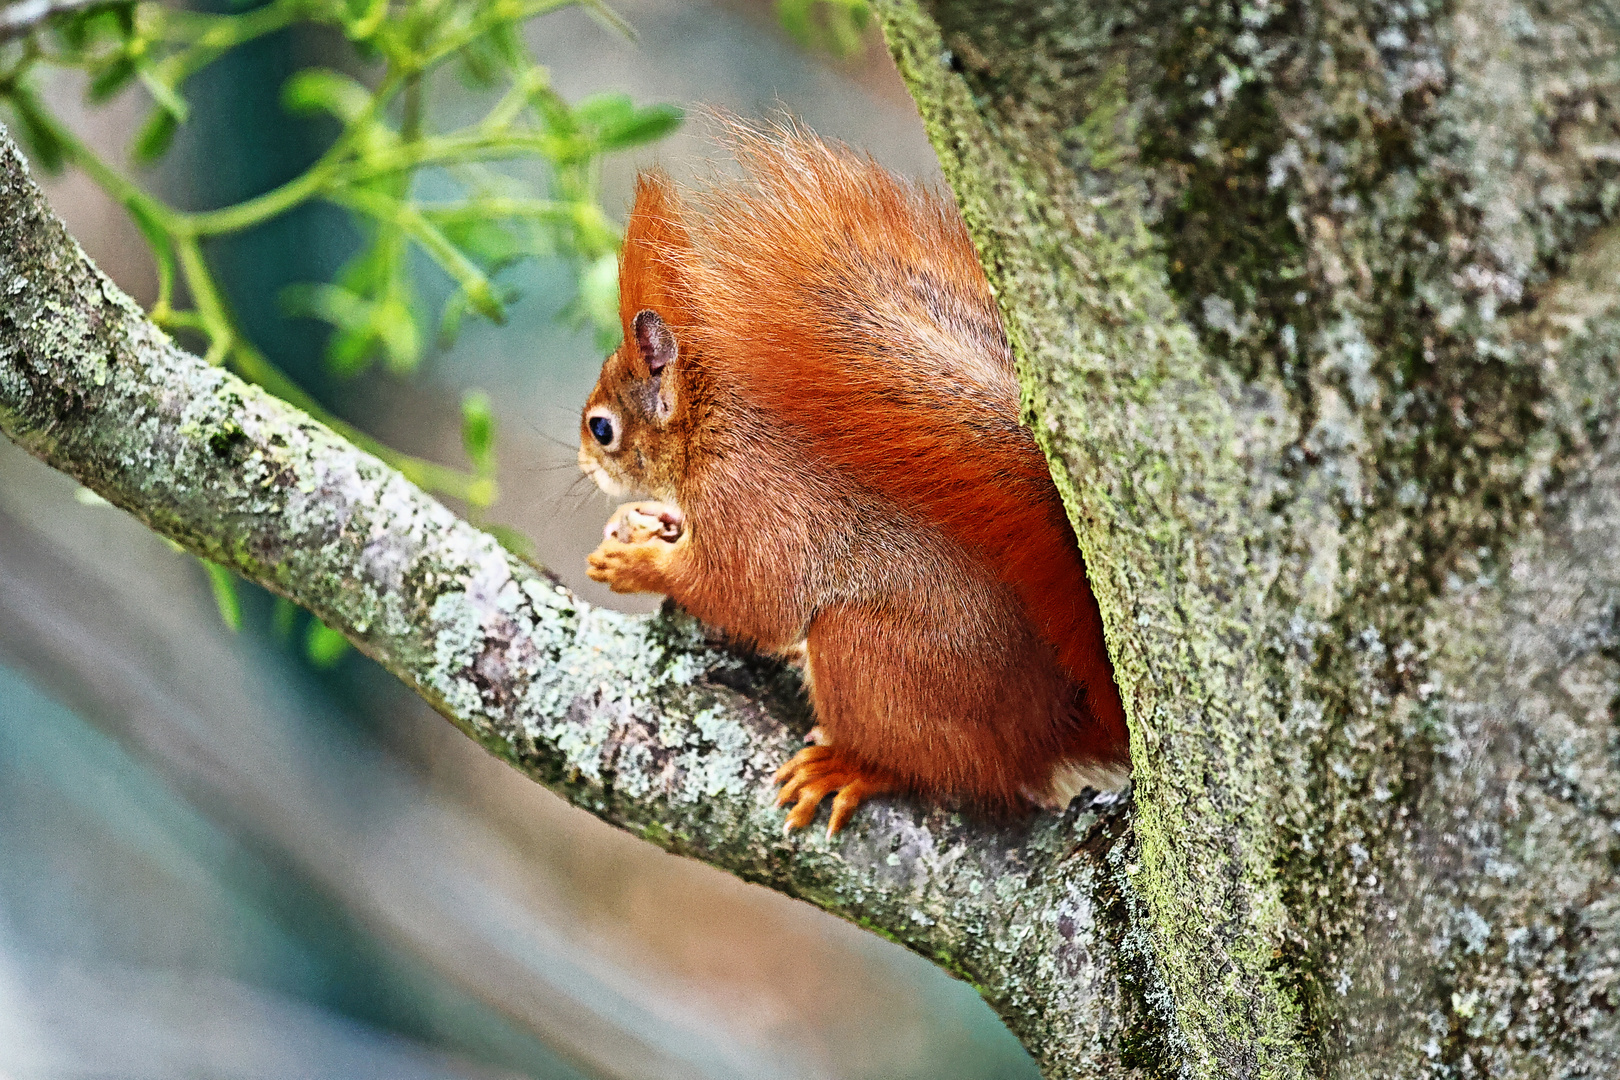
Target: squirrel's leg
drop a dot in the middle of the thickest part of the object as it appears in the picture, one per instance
(640, 545)
(903, 704)
(816, 772)
(829, 765)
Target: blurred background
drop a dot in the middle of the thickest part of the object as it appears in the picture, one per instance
(250, 853)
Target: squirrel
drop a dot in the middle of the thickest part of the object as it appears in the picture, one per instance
(816, 390)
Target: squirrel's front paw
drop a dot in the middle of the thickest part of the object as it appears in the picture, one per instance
(637, 547)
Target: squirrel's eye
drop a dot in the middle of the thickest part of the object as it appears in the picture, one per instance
(602, 429)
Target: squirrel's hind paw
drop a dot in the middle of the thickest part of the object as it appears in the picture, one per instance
(816, 772)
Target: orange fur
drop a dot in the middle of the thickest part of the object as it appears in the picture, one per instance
(846, 449)
(646, 277)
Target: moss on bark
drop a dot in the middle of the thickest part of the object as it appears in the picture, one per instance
(1273, 273)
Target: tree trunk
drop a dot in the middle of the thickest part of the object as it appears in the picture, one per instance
(1316, 307)
(1315, 313)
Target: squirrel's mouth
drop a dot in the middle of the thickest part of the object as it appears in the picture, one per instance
(599, 474)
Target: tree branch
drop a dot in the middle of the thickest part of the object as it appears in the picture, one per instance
(638, 720)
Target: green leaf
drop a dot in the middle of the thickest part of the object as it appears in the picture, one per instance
(378, 263)
(395, 326)
(455, 311)
(153, 140)
(329, 303)
(318, 90)
(481, 65)
(483, 239)
(38, 129)
(83, 29)
(363, 326)
(478, 430)
(284, 618)
(594, 234)
(481, 493)
(323, 645)
(506, 45)
(350, 351)
(75, 30)
(165, 95)
(512, 540)
(362, 18)
(795, 17)
(608, 107)
(225, 597)
(619, 124)
(647, 125)
(559, 119)
(112, 78)
(599, 296)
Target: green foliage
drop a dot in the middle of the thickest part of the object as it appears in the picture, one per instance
(284, 618)
(383, 152)
(613, 122)
(38, 134)
(478, 439)
(383, 145)
(225, 598)
(838, 26)
(478, 429)
(324, 646)
(598, 301)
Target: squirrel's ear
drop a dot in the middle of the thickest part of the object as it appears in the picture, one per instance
(654, 343)
(656, 245)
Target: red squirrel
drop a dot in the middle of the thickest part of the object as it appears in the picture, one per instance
(816, 388)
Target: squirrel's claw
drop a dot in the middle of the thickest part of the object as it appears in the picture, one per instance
(815, 772)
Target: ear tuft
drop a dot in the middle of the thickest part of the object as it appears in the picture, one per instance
(654, 342)
(655, 245)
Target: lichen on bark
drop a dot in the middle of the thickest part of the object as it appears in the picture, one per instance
(1278, 276)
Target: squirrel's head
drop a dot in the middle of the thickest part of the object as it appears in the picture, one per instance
(632, 437)
(625, 439)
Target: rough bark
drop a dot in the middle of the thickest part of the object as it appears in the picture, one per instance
(1315, 308)
(1316, 311)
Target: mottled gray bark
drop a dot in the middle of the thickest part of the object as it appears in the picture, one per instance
(1317, 311)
